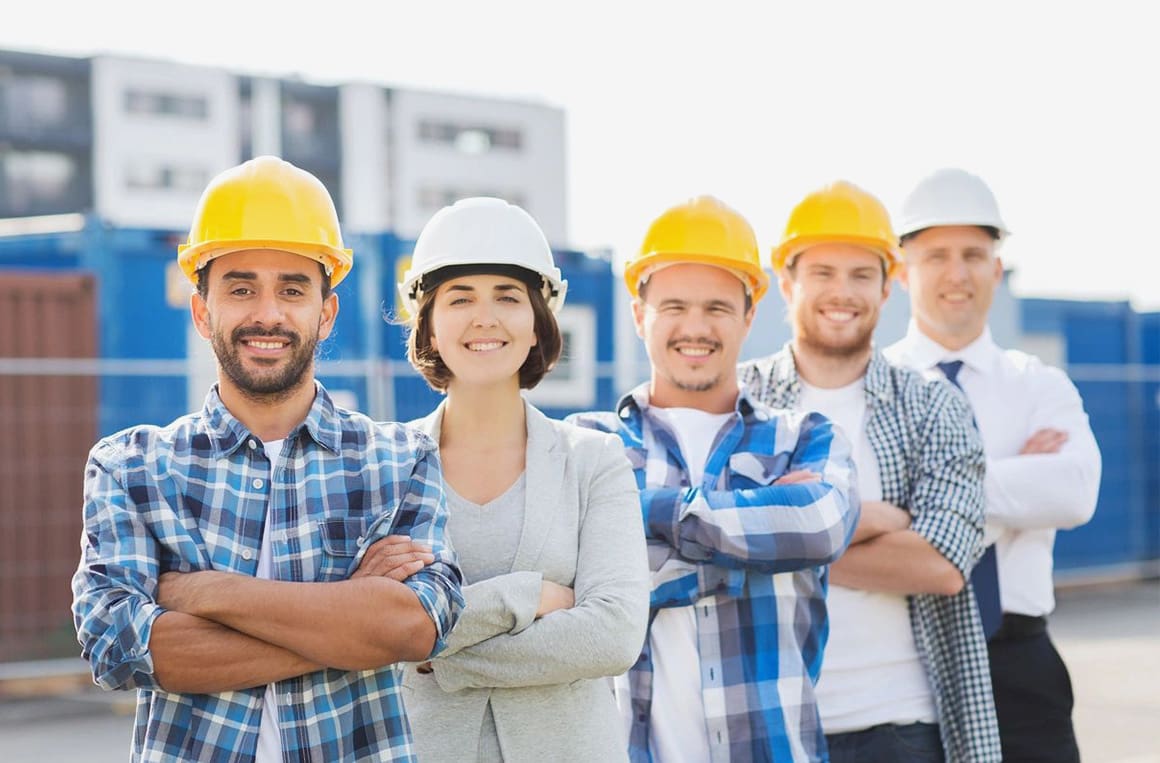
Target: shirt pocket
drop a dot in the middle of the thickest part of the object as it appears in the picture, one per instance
(750, 470)
(341, 540)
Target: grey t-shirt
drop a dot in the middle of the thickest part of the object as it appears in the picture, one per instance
(485, 536)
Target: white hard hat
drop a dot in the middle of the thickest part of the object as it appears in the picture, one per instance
(950, 197)
(474, 233)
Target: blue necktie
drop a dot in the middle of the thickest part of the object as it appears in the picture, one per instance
(985, 576)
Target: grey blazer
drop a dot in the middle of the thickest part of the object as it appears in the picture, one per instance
(545, 679)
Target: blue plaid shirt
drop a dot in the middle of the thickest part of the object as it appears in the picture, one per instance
(751, 556)
(194, 496)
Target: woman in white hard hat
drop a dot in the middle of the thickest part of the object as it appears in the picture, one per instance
(544, 515)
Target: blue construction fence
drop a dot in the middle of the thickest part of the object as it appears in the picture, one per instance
(1110, 350)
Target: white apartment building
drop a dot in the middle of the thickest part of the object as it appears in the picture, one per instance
(134, 141)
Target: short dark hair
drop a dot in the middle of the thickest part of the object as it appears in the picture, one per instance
(990, 230)
(640, 293)
(203, 280)
(541, 358)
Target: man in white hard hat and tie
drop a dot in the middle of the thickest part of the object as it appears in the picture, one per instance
(1043, 465)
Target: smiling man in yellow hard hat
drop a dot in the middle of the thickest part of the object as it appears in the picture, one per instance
(742, 506)
(218, 566)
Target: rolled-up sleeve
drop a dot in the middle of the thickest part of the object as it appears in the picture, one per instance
(422, 514)
(115, 582)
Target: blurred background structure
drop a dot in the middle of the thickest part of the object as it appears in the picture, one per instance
(102, 161)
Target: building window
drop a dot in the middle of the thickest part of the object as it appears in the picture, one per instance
(162, 177)
(34, 102)
(37, 182)
(470, 139)
(166, 104)
(434, 198)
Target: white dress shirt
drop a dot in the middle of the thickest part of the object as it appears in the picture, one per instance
(1029, 497)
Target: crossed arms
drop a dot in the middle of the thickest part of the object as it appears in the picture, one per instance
(210, 631)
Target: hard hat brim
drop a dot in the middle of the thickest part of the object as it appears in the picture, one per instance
(192, 258)
(758, 278)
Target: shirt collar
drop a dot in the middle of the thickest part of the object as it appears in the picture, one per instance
(227, 434)
(635, 404)
(878, 382)
(924, 352)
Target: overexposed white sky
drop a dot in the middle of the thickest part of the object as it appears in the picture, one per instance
(1053, 103)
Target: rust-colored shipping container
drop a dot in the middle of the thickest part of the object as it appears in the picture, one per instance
(48, 422)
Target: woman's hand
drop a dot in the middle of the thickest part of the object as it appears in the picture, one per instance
(554, 596)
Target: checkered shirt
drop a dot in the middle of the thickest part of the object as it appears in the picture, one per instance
(751, 556)
(931, 462)
(193, 496)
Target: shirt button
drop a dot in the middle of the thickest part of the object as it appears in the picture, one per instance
(253, 445)
(258, 484)
(247, 554)
(360, 540)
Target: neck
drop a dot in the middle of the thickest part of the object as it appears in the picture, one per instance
(483, 416)
(951, 341)
(722, 398)
(269, 417)
(829, 371)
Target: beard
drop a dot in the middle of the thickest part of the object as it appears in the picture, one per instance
(853, 347)
(273, 383)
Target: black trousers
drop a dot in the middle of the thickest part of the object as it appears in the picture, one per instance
(1033, 696)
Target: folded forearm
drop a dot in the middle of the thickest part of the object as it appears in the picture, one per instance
(502, 604)
(352, 625)
(1041, 491)
(198, 656)
(901, 562)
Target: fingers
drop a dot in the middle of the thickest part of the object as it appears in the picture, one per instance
(798, 477)
(1044, 441)
(396, 556)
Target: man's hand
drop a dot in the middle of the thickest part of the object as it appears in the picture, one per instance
(1044, 441)
(396, 557)
(554, 596)
(799, 477)
(878, 518)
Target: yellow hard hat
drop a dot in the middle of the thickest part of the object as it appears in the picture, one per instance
(266, 203)
(839, 213)
(701, 231)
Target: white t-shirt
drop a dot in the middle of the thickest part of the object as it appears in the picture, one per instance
(269, 738)
(677, 730)
(871, 673)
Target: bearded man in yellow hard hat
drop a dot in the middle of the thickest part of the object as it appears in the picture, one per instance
(742, 506)
(905, 674)
(220, 567)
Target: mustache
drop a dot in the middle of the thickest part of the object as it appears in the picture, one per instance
(250, 332)
(710, 344)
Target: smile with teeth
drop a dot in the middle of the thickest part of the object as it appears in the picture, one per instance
(260, 344)
(839, 316)
(485, 346)
(957, 296)
(695, 352)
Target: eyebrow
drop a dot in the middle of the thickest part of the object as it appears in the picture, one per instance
(248, 275)
(497, 287)
(706, 304)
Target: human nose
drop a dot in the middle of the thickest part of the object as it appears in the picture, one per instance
(268, 310)
(484, 314)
